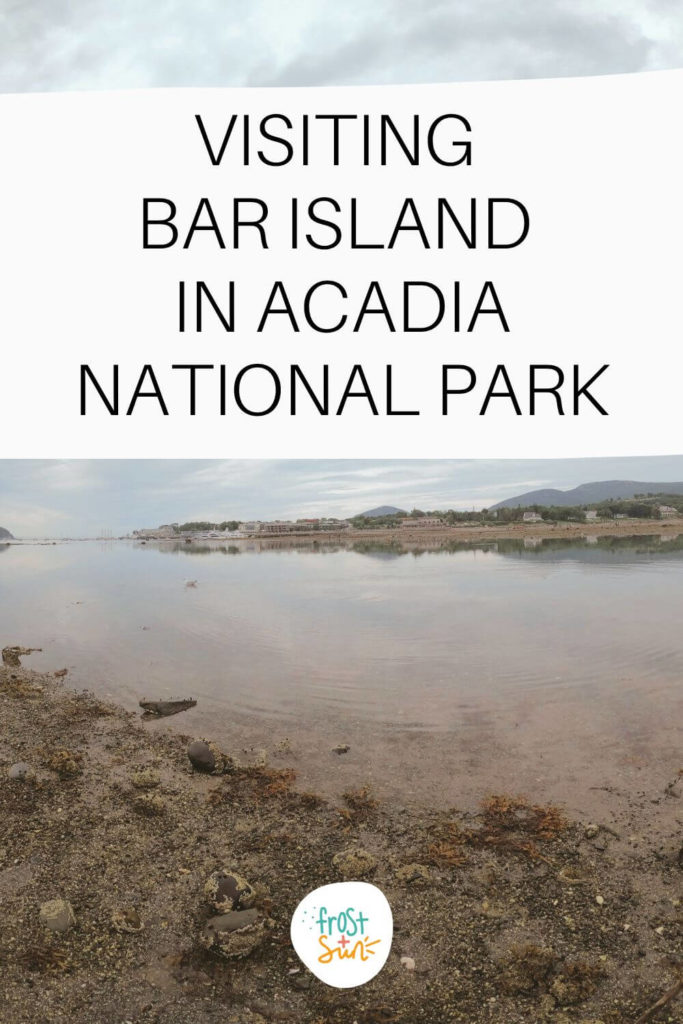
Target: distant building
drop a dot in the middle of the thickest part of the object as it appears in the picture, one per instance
(591, 514)
(666, 511)
(531, 517)
(423, 521)
(279, 527)
(250, 527)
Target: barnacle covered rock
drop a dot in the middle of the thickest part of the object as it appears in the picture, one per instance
(57, 915)
(226, 891)
(145, 778)
(354, 863)
(234, 935)
(126, 919)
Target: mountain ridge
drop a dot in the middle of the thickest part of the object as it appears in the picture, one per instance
(586, 494)
(5, 534)
(383, 510)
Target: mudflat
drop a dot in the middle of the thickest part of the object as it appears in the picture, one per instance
(513, 912)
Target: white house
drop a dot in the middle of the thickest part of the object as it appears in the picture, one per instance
(531, 517)
(591, 514)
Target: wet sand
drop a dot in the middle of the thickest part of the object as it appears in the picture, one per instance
(519, 911)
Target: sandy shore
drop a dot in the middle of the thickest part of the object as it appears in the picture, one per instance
(511, 914)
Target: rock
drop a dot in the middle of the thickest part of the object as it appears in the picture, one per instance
(591, 831)
(234, 935)
(408, 963)
(206, 757)
(150, 804)
(414, 874)
(600, 900)
(145, 778)
(126, 919)
(20, 770)
(354, 863)
(12, 655)
(163, 708)
(226, 891)
(341, 748)
(302, 982)
(57, 915)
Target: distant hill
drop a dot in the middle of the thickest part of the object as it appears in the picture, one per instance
(383, 510)
(5, 534)
(588, 494)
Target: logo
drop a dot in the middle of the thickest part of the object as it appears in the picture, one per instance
(342, 932)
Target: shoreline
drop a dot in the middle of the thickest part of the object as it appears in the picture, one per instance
(607, 528)
(516, 913)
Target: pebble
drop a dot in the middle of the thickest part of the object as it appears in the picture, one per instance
(599, 900)
(354, 863)
(57, 915)
(234, 935)
(226, 891)
(591, 831)
(20, 770)
(341, 748)
(206, 757)
(408, 963)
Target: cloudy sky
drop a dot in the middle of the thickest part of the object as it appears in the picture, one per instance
(80, 498)
(99, 44)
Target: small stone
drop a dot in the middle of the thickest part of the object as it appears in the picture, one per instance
(206, 757)
(302, 982)
(226, 891)
(145, 778)
(408, 963)
(20, 770)
(591, 831)
(341, 748)
(234, 935)
(57, 915)
(600, 900)
(354, 863)
(126, 919)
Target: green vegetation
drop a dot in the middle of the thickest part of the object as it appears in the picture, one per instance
(229, 524)
(642, 506)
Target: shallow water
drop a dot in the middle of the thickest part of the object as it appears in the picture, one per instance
(507, 648)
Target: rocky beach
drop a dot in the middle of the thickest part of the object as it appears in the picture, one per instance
(111, 838)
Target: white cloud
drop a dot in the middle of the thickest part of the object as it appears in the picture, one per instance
(97, 44)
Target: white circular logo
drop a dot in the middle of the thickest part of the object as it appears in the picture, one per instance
(343, 932)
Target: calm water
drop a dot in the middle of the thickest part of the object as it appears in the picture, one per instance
(410, 640)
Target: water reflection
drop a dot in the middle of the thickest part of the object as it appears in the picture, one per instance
(588, 548)
(406, 636)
